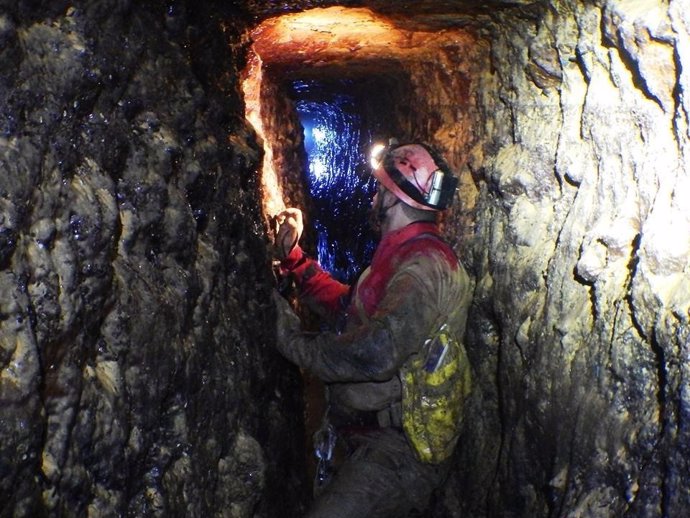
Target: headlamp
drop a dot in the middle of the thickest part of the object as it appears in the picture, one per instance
(376, 154)
(379, 151)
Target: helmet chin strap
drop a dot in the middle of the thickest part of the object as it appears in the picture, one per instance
(379, 214)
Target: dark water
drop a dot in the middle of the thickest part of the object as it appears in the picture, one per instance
(337, 142)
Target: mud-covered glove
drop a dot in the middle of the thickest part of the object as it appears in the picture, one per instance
(289, 225)
(287, 324)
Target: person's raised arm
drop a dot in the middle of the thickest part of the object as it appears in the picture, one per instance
(316, 287)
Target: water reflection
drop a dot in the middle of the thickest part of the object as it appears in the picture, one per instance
(339, 180)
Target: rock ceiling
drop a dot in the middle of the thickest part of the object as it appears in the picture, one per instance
(315, 40)
(424, 13)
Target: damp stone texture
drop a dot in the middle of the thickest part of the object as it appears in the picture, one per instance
(579, 332)
(137, 369)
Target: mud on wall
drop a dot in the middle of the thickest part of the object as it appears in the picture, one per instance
(580, 322)
(137, 374)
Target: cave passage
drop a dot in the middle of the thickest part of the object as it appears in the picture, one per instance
(320, 88)
(324, 84)
(138, 369)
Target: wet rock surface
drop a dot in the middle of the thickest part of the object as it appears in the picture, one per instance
(581, 308)
(137, 374)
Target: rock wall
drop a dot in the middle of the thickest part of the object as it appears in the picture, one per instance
(137, 374)
(579, 327)
(444, 94)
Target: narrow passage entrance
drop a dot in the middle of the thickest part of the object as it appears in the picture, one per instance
(321, 86)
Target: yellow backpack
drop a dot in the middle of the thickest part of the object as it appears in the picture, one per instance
(435, 383)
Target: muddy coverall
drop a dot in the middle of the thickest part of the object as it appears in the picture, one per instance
(414, 284)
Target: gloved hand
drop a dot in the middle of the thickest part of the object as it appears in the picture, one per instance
(290, 226)
(287, 324)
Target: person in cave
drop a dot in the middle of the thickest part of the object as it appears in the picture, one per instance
(393, 361)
